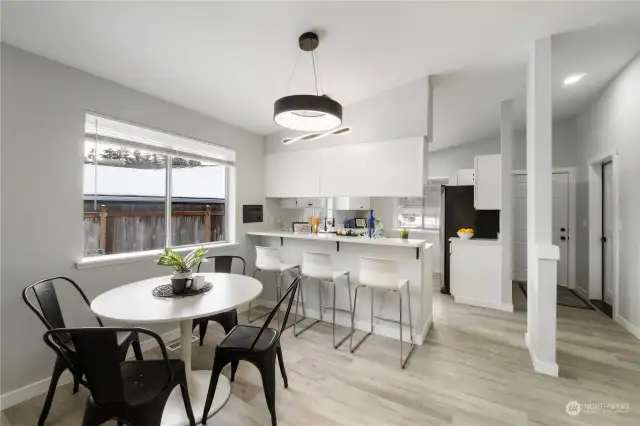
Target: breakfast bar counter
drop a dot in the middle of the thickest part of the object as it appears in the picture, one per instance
(415, 262)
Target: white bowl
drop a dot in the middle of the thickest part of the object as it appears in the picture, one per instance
(465, 235)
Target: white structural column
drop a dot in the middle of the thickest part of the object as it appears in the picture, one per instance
(506, 215)
(542, 256)
(428, 138)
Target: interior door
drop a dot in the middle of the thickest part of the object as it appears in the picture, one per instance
(607, 232)
(560, 236)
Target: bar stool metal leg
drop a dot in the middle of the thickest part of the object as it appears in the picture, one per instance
(353, 315)
(296, 316)
(403, 362)
(249, 320)
(295, 332)
(337, 345)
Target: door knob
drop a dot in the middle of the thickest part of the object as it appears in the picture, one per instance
(563, 238)
(562, 229)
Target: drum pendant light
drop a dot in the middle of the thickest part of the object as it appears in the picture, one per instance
(308, 112)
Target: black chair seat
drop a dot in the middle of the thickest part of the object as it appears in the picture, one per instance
(258, 345)
(144, 380)
(243, 336)
(132, 392)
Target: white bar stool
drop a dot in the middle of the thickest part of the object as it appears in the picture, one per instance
(319, 266)
(268, 260)
(382, 274)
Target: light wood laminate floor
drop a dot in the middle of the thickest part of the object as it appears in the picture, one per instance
(474, 370)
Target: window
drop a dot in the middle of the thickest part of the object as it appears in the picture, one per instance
(422, 212)
(135, 178)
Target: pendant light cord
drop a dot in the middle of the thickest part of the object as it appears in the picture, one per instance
(293, 72)
(319, 77)
(315, 75)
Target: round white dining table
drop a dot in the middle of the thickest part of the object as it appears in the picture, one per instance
(134, 304)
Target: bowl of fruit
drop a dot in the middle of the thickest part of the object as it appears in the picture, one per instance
(465, 233)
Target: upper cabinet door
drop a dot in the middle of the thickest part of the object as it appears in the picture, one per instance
(292, 174)
(376, 169)
(488, 182)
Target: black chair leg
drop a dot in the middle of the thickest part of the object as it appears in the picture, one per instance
(203, 330)
(137, 350)
(218, 365)
(282, 370)
(267, 369)
(94, 415)
(58, 369)
(234, 368)
(76, 386)
(187, 403)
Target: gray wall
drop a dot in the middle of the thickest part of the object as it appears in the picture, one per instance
(613, 120)
(43, 107)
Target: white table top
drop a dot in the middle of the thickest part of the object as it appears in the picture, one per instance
(395, 242)
(134, 302)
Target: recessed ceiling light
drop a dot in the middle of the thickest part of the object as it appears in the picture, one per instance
(573, 79)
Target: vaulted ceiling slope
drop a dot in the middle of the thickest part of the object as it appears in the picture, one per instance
(231, 60)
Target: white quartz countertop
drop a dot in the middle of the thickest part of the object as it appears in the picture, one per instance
(474, 240)
(396, 242)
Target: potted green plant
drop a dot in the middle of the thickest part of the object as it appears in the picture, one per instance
(181, 266)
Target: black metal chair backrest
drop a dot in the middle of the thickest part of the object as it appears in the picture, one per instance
(97, 350)
(49, 311)
(223, 264)
(291, 291)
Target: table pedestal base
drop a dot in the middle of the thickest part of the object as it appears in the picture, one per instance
(174, 413)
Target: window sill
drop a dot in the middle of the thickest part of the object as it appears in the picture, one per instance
(117, 259)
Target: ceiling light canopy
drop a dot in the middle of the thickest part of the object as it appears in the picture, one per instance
(574, 78)
(315, 113)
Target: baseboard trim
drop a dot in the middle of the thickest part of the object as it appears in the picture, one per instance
(539, 366)
(40, 387)
(582, 292)
(628, 326)
(507, 307)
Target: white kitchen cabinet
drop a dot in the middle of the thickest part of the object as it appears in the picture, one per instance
(301, 203)
(465, 177)
(289, 203)
(292, 174)
(488, 182)
(352, 203)
(395, 168)
(475, 267)
(375, 169)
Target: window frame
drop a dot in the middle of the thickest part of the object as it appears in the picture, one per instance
(229, 192)
(432, 182)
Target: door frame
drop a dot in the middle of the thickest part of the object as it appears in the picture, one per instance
(572, 173)
(595, 225)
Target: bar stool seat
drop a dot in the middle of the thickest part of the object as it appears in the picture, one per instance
(319, 266)
(382, 274)
(268, 260)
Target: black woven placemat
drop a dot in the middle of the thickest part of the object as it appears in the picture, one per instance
(166, 291)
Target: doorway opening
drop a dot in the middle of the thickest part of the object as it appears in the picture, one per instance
(605, 303)
(603, 229)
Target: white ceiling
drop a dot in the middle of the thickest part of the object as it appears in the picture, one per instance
(231, 60)
(467, 101)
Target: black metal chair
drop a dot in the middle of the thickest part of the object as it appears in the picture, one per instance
(228, 319)
(257, 345)
(131, 392)
(50, 314)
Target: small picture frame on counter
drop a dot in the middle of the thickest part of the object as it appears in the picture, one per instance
(361, 222)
